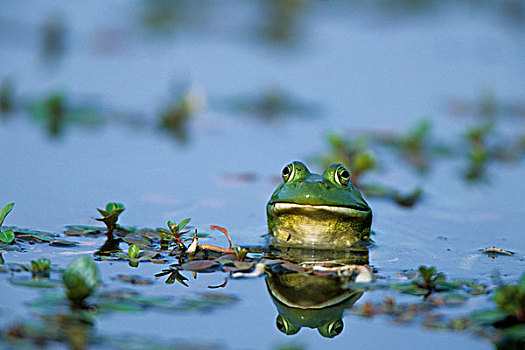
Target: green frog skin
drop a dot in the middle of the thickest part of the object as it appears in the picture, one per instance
(324, 211)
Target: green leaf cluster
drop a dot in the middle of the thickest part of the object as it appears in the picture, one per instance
(175, 232)
(40, 267)
(110, 215)
(428, 282)
(511, 299)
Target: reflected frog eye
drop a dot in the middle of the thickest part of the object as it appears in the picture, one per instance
(287, 172)
(284, 326)
(342, 176)
(331, 329)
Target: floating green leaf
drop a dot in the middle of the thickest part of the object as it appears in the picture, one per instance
(62, 243)
(34, 283)
(7, 236)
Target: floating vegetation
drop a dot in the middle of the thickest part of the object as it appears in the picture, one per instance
(281, 21)
(175, 117)
(361, 159)
(12, 237)
(57, 111)
(40, 268)
(485, 146)
(428, 282)
(419, 149)
(134, 256)
(6, 96)
(84, 299)
(487, 106)
(271, 104)
(417, 146)
(355, 153)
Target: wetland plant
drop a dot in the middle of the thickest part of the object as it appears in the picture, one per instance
(174, 234)
(428, 282)
(6, 96)
(80, 280)
(510, 307)
(40, 267)
(176, 116)
(508, 317)
(6, 236)
(110, 215)
(134, 256)
(355, 153)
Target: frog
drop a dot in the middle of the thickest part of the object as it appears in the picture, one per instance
(322, 211)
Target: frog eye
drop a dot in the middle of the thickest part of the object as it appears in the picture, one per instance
(342, 176)
(284, 326)
(331, 329)
(288, 172)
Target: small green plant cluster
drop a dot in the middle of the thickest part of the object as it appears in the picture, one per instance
(176, 116)
(174, 234)
(510, 302)
(40, 267)
(358, 155)
(110, 215)
(353, 152)
(508, 317)
(6, 236)
(428, 282)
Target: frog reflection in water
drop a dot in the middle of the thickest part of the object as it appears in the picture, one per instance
(325, 211)
(316, 301)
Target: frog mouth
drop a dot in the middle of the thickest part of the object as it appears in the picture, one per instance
(338, 210)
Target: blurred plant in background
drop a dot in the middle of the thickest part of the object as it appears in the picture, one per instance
(185, 105)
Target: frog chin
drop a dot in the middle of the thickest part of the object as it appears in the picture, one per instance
(318, 225)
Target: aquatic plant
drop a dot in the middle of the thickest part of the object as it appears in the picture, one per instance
(111, 215)
(133, 251)
(427, 283)
(175, 117)
(272, 103)
(353, 152)
(40, 267)
(56, 110)
(416, 145)
(80, 280)
(135, 256)
(6, 96)
(508, 317)
(6, 236)
(510, 306)
(174, 234)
